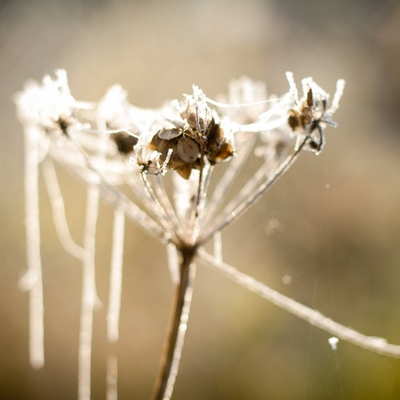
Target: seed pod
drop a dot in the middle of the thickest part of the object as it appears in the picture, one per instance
(124, 142)
(219, 154)
(300, 119)
(191, 119)
(185, 170)
(310, 99)
(188, 149)
(169, 134)
(294, 120)
(216, 136)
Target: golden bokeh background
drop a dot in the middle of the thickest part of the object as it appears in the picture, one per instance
(339, 221)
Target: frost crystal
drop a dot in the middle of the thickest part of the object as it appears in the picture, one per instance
(333, 341)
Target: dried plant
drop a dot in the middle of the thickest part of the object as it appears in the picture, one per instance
(113, 144)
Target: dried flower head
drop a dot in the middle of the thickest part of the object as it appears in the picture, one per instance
(310, 115)
(185, 139)
(118, 144)
(49, 105)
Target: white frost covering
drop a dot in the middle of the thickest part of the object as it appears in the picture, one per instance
(88, 294)
(218, 246)
(57, 204)
(32, 280)
(246, 143)
(173, 263)
(114, 305)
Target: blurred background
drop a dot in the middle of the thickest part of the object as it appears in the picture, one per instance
(331, 224)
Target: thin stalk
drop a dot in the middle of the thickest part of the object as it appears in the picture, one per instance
(173, 263)
(132, 211)
(114, 302)
(178, 324)
(218, 246)
(166, 204)
(198, 197)
(204, 181)
(230, 174)
(195, 210)
(160, 212)
(203, 200)
(151, 203)
(134, 181)
(88, 294)
(32, 280)
(234, 209)
(58, 208)
(113, 195)
(313, 317)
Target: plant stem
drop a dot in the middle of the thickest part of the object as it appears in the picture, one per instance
(178, 323)
(237, 207)
(312, 316)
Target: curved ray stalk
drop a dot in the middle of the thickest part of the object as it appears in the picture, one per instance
(193, 213)
(230, 174)
(315, 318)
(88, 294)
(160, 212)
(166, 204)
(132, 211)
(114, 304)
(173, 263)
(218, 246)
(32, 280)
(197, 212)
(203, 199)
(117, 198)
(246, 198)
(147, 198)
(252, 184)
(89, 283)
(58, 208)
(183, 193)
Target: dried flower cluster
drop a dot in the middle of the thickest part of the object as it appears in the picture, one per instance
(113, 143)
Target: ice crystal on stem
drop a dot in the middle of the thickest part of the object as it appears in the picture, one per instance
(117, 144)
